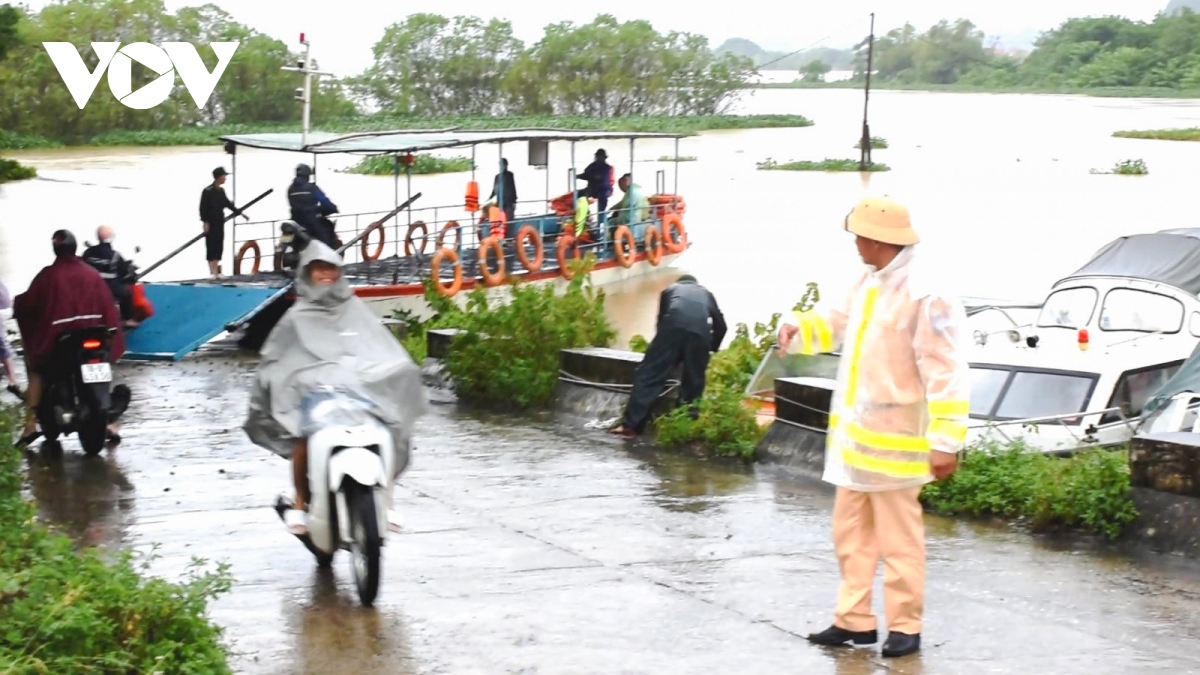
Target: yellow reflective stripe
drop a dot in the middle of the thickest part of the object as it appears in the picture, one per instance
(860, 334)
(888, 467)
(834, 421)
(949, 429)
(884, 441)
(949, 408)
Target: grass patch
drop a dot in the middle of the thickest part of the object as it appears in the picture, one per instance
(210, 135)
(11, 170)
(1099, 92)
(681, 158)
(722, 423)
(1129, 167)
(1089, 490)
(1161, 134)
(73, 611)
(11, 140)
(384, 165)
(877, 143)
(824, 165)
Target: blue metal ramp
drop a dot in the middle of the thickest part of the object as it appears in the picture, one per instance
(188, 315)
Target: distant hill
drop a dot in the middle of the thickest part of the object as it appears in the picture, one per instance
(1177, 5)
(838, 59)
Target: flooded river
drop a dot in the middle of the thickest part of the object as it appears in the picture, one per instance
(530, 547)
(533, 547)
(998, 186)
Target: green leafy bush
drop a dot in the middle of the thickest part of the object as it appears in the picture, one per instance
(1089, 490)
(11, 170)
(509, 352)
(1129, 167)
(64, 610)
(877, 143)
(840, 165)
(384, 165)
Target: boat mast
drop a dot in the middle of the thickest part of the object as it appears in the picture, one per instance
(864, 156)
(307, 66)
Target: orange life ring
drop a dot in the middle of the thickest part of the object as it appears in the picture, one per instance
(408, 238)
(672, 221)
(491, 278)
(566, 241)
(378, 247)
(237, 259)
(530, 232)
(624, 245)
(451, 226)
(435, 271)
(654, 246)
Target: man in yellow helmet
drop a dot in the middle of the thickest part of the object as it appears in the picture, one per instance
(897, 421)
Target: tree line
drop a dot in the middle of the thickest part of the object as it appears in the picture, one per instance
(1080, 53)
(425, 65)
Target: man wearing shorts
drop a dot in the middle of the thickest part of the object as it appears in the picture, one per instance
(213, 202)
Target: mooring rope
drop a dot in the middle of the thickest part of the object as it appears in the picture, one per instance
(615, 388)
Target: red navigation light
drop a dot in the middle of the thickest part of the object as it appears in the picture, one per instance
(91, 344)
(1083, 338)
(302, 38)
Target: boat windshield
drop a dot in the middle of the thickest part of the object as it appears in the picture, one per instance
(1129, 309)
(999, 393)
(1068, 308)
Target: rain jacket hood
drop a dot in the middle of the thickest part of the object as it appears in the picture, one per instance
(331, 338)
(903, 377)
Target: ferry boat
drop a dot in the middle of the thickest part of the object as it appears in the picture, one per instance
(457, 247)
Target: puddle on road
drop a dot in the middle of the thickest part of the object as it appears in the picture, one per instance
(533, 545)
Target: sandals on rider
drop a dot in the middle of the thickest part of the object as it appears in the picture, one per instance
(295, 519)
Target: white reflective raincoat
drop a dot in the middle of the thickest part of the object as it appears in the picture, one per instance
(903, 378)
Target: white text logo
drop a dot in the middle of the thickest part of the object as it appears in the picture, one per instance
(118, 60)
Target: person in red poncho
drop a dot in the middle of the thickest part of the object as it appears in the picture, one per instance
(66, 296)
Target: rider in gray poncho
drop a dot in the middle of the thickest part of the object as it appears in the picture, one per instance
(329, 338)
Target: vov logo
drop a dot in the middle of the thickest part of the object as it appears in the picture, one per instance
(118, 60)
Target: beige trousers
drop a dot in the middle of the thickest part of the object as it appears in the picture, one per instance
(870, 525)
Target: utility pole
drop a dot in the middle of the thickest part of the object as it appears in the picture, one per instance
(864, 157)
(307, 66)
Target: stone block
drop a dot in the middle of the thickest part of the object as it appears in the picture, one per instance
(1167, 462)
(602, 365)
(437, 342)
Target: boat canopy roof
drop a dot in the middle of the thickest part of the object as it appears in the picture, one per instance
(404, 141)
(1170, 257)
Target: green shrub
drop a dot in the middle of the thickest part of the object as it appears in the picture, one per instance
(1162, 134)
(64, 610)
(1129, 167)
(1089, 490)
(509, 353)
(841, 165)
(384, 165)
(877, 143)
(11, 170)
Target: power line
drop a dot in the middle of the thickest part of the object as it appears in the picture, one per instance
(804, 49)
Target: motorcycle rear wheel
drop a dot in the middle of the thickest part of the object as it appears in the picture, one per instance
(92, 435)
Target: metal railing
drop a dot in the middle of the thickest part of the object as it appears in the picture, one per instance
(457, 228)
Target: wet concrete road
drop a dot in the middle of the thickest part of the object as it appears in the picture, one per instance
(536, 547)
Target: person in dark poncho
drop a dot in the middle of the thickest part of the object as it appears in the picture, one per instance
(65, 296)
(684, 336)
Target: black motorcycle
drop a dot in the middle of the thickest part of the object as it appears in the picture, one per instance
(78, 396)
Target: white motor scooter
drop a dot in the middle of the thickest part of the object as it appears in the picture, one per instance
(351, 469)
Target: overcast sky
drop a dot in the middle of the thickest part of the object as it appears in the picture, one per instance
(343, 31)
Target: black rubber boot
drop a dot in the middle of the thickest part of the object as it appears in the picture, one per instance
(901, 644)
(838, 637)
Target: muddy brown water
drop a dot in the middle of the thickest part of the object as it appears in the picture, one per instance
(998, 185)
(534, 546)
